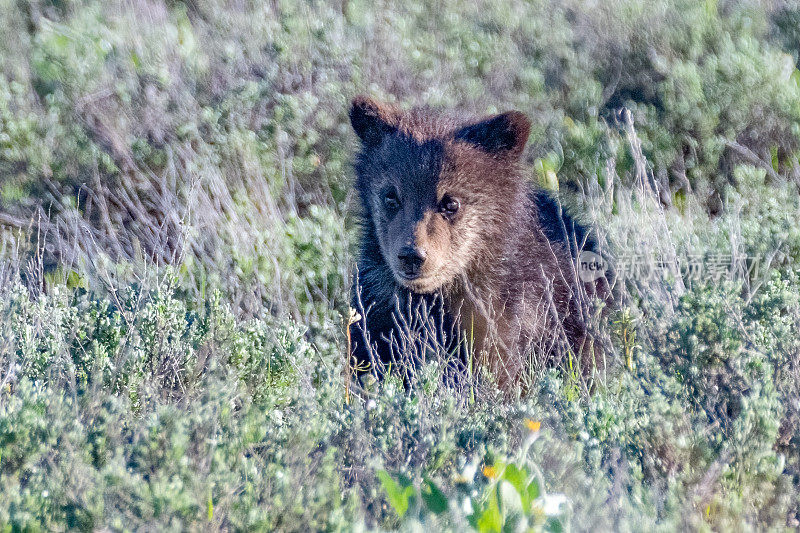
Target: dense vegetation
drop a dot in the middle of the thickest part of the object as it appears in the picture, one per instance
(176, 241)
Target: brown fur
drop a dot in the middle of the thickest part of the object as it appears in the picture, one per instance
(508, 286)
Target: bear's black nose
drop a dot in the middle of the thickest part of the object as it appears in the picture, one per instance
(411, 259)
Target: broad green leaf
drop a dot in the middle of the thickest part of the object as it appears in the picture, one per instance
(490, 519)
(534, 491)
(510, 500)
(518, 478)
(399, 494)
(435, 500)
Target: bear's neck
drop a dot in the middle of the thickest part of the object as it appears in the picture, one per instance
(485, 296)
(509, 232)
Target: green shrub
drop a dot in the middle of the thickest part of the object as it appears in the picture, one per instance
(175, 255)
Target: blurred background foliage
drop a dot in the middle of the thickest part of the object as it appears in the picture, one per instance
(176, 242)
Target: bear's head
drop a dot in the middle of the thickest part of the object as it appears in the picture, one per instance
(439, 191)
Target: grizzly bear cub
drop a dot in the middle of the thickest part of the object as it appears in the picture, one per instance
(460, 255)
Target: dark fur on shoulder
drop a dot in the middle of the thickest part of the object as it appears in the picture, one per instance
(457, 245)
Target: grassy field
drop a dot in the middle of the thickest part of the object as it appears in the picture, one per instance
(178, 230)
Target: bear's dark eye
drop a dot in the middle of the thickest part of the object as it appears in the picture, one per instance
(448, 206)
(390, 200)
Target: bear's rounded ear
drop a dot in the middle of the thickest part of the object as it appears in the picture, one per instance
(504, 133)
(372, 120)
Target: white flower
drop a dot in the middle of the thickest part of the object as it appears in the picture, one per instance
(466, 506)
(470, 469)
(551, 503)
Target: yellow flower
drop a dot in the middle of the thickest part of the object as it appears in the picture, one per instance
(490, 472)
(532, 426)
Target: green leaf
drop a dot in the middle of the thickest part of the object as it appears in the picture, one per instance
(680, 200)
(534, 491)
(554, 524)
(795, 77)
(491, 519)
(435, 500)
(399, 494)
(546, 172)
(518, 478)
(511, 504)
(773, 151)
(75, 280)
